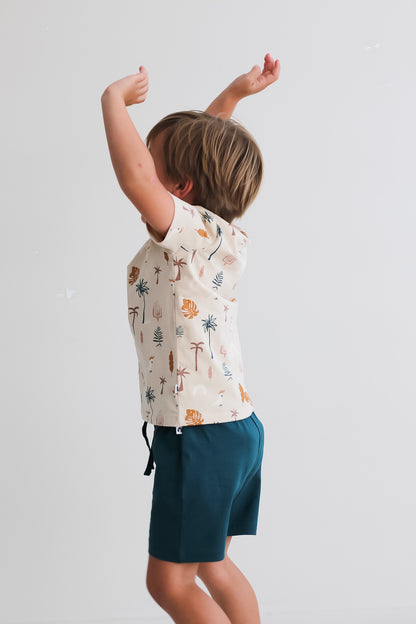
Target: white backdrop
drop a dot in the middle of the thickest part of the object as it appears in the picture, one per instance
(330, 274)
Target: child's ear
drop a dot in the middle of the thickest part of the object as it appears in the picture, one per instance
(183, 189)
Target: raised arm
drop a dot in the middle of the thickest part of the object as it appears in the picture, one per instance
(247, 84)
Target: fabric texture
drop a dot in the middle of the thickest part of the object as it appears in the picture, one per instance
(207, 485)
(182, 314)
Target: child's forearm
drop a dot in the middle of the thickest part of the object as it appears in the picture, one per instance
(132, 161)
(223, 106)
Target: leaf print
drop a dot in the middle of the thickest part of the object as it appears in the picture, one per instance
(193, 417)
(209, 324)
(171, 362)
(203, 233)
(189, 308)
(165, 253)
(142, 290)
(193, 254)
(179, 331)
(141, 336)
(178, 263)
(229, 259)
(207, 217)
(158, 336)
(244, 395)
(157, 271)
(201, 271)
(227, 372)
(217, 281)
(219, 233)
(182, 372)
(197, 348)
(134, 274)
(210, 372)
(225, 310)
(162, 383)
(134, 311)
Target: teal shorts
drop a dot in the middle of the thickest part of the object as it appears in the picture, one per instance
(206, 486)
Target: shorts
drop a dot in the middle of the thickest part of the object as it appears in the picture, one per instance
(206, 486)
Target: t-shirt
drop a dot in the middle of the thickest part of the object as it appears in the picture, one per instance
(183, 317)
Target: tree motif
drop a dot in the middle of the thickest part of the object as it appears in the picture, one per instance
(197, 348)
(234, 413)
(134, 312)
(150, 397)
(179, 331)
(225, 311)
(158, 336)
(209, 324)
(181, 372)
(219, 233)
(162, 382)
(171, 362)
(178, 263)
(157, 271)
(142, 290)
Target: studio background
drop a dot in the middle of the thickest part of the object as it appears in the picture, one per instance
(330, 282)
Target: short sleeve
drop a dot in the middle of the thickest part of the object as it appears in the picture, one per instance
(187, 230)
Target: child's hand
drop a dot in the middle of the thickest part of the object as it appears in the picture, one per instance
(256, 80)
(134, 88)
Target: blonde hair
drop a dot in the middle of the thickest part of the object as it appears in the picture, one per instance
(220, 156)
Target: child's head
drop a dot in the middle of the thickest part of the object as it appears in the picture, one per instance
(220, 156)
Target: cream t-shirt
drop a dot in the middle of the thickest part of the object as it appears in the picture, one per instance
(183, 316)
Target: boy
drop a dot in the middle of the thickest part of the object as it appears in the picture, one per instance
(197, 173)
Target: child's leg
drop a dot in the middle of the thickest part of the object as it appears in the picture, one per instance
(173, 587)
(230, 589)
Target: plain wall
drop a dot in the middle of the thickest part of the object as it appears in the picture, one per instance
(327, 303)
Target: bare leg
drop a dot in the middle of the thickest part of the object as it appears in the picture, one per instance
(173, 587)
(231, 590)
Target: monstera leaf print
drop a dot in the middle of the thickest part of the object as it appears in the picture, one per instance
(193, 417)
(189, 308)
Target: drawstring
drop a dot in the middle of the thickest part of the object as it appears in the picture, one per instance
(150, 464)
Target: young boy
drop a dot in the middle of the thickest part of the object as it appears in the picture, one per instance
(197, 172)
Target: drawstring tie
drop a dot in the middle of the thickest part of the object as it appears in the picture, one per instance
(150, 464)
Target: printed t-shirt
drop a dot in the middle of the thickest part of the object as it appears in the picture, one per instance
(183, 317)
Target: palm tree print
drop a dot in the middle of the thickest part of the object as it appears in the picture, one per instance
(157, 271)
(162, 382)
(178, 263)
(150, 397)
(209, 324)
(181, 372)
(197, 348)
(234, 413)
(219, 233)
(134, 311)
(142, 290)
